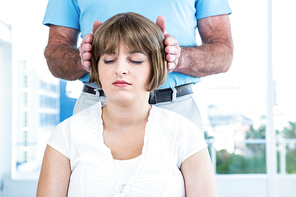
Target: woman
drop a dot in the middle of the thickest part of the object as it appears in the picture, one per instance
(127, 147)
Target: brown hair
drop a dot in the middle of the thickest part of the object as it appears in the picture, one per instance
(137, 33)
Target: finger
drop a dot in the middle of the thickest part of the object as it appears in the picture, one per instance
(96, 24)
(171, 58)
(86, 56)
(170, 40)
(174, 50)
(87, 38)
(160, 21)
(87, 65)
(85, 48)
(171, 66)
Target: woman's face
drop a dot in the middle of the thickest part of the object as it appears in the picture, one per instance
(125, 75)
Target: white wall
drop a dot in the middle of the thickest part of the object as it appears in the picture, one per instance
(6, 103)
(254, 185)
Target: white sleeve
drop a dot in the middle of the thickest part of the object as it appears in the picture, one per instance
(190, 140)
(60, 138)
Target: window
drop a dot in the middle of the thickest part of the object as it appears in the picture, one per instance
(25, 119)
(25, 82)
(25, 99)
(284, 75)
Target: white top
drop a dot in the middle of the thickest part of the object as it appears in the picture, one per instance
(169, 139)
(125, 169)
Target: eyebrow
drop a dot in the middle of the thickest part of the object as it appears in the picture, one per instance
(136, 51)
(108, 52)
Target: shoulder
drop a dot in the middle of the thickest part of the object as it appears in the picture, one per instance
(94, 110)
(58, 13)
(207, 8)
(169, 117)
(82, 118)
(165, 112)
(173, 122)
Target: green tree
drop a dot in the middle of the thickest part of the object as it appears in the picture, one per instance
(255, 159)
(256, 149)
(290, 131)
(252, 160)
(256, 134)
(231, 163)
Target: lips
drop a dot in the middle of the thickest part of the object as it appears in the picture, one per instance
(121, 83)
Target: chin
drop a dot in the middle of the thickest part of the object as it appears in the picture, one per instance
(121, 98)
(127, 97)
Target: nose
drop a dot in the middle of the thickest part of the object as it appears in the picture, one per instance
(121, 68)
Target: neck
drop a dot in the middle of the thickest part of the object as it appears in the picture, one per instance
(125, 116)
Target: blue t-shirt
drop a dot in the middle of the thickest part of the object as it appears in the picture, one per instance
(181, 19)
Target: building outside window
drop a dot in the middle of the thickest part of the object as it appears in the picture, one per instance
(36, 122)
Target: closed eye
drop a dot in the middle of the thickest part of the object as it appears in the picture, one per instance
(108, 61)
(136, 62)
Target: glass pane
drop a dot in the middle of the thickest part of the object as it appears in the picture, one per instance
(37, 112)
(291, 158)
(286, 156)
(27, 163)
(233, 104)
(37, 98)
(35, 123)
(241, 158)
(284, 70)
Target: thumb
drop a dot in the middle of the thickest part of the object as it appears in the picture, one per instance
(97, 23)
(160, 21)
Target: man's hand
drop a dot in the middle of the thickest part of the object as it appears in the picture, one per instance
(85, 47)
(172, 47)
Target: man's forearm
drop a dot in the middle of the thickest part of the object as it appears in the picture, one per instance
(204, 60)
(64, 61)
(214, 55)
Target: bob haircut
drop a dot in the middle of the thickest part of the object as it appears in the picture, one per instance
(136, 33)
